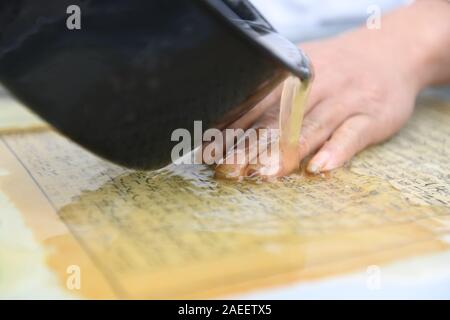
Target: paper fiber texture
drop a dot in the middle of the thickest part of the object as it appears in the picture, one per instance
(178, 233)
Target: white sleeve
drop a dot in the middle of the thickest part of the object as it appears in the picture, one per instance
(307, 19)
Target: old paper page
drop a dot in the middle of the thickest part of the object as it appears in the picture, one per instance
(178, 233)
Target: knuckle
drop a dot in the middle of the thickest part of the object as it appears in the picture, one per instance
(305, 147)
(311, 126)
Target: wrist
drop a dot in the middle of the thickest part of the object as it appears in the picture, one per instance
(415, 40)
(426, 30)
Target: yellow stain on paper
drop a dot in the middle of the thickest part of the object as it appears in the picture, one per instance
(178, 233)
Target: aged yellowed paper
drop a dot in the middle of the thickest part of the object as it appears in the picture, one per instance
(178, 233)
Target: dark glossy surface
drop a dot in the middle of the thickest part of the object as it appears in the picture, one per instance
(136, 71)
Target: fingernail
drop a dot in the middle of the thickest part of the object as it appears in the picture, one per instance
(317, 164)
(251, 172)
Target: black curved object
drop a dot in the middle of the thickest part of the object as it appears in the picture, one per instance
(139, 69)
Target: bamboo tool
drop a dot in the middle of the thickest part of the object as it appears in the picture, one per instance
(281, 150)
(137, 70)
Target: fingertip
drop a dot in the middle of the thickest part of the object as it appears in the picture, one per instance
(319, 162)
(252, 171)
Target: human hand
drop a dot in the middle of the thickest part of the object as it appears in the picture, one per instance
(365, 87)
(358, 98)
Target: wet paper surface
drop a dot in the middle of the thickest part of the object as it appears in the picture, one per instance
(270, 154)
(179, 233)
